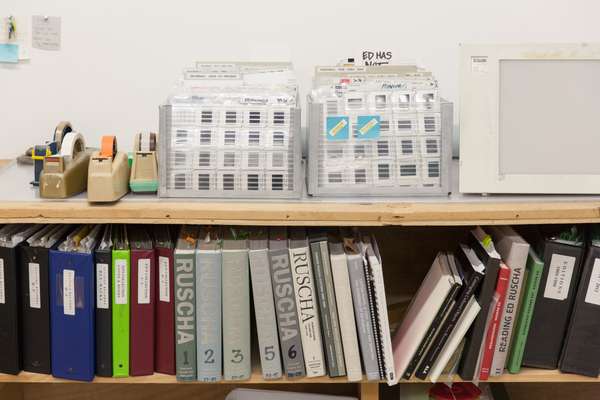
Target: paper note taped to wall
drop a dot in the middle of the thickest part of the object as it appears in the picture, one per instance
(45, 32)
(9, 53)
(19, 36)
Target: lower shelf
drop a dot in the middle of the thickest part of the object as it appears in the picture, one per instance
(255, 378)
(526, 375)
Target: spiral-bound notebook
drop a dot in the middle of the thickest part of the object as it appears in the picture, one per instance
(378, 305)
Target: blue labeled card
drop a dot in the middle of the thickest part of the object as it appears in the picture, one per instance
(338, 128)
(367, 127)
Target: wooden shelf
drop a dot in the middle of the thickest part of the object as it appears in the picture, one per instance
(255, 378)
(528, 375)
(525, 376)
(19, 202)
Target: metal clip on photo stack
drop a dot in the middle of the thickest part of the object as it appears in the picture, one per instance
(144, 170)
(41, 151)
(65, 174)
(108, 176)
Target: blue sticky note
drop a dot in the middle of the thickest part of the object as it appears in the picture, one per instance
(338, 128)
(367, 127)
(9, 53)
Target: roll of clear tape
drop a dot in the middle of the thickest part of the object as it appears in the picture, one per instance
(60, 132)
(146, 142)
(73, 144)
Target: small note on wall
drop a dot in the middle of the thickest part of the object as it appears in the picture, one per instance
(46, 32)
(14, 37)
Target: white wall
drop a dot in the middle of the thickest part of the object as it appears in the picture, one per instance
(120, 58)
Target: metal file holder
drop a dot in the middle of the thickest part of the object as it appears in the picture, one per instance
(217, 144)
(411, 155)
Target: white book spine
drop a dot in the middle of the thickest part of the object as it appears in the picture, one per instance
(264, 309)
(308, 316)
(516, 260)
(343, 295)
(462, 326)
(384, 324)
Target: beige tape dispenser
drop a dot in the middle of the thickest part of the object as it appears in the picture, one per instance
(144, 170)
(108, 174)
(65, 174)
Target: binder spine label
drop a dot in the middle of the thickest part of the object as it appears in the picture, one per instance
(35, 300)
(559, 277)
(163, 279)
(2, 284)
(143, 281)
(592, 296)
(121, 281)
(102, 295)
(69, 292)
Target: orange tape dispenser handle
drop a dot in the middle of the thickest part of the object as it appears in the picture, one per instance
(108, 146)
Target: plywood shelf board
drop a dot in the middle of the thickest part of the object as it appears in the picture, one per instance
(20, 202)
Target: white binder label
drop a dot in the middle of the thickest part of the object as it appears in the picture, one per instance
(121, 288)
(592, 296)
(559, 277)
(2, 284)
(143, 281)
(102, 294)
(163, 279)
(69, 291)
(35, 299)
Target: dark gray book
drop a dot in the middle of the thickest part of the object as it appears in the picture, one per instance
(482, 244)
(185, 303)
(208, 305)
(330, 325)
(362, 310)
(581, 351)
(264, 308)
(237, 359)
(554, 303)
(285, 304)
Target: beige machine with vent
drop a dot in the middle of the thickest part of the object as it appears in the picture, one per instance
(144, 170)
(65, 174)
(108, 176)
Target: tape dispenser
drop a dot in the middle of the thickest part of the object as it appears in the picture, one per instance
(65, 174)
(144, 170)
(41, 151)
(108, 175)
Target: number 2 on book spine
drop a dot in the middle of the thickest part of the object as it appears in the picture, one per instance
(209, 356)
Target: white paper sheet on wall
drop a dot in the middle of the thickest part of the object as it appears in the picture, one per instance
(46, 32)
(21, 37)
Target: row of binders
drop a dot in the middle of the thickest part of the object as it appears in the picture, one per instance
(498, 303)
(117, 301)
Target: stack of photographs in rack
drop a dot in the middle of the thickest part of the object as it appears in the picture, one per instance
(232, 130)
(378, 130)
